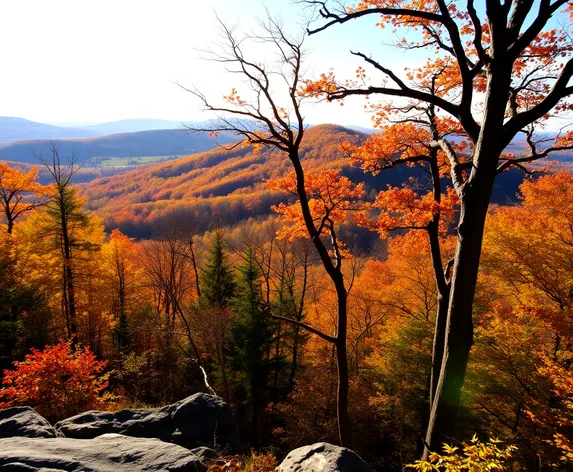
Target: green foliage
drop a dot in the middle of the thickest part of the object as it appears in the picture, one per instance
(252, 335)
(134, 374)
(400, 376)
(122, 334)
(217, 281)
(24, 317)
(474, 456)
(288, 336)
(252, 338)
(65, 210)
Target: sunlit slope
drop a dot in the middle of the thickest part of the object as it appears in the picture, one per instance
(221, 187)
(214, 187)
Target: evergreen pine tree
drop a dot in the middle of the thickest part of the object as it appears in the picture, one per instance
(217, 285)
(252, 338)
(217, 282)
(67, 219)
(24, 315)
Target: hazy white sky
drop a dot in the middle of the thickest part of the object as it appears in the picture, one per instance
(104, 60)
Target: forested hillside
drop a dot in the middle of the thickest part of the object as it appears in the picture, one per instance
(155, 312)
(216, 187)
(405, 293)
(220, 187)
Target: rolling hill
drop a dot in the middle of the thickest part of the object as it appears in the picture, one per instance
(220, 187)
(143, 143)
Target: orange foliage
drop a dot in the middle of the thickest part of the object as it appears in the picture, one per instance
(521, 373)
(331, 197)
(533, 71)
(15, 185)
(403, 208)
(399, 141)
(234, 98)
(215, 185)
(561, 381)
(441, 75)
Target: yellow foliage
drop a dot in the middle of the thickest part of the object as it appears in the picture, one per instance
(473, 456)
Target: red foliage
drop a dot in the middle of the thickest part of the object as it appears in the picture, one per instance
(58, 381)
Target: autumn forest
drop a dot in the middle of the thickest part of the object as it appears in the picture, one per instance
(406, 292)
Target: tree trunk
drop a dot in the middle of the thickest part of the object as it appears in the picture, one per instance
(475, 197)
(442, 284)
(71, 299)
(438, 344)
(344, 429)
(458, 335)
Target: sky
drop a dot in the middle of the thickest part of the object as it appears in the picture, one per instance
(94, 61)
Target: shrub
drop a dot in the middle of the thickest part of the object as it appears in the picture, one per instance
(59, 381)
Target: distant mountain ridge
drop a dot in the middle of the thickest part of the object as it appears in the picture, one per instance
(143, 143)
(17, 129)
(134, 125)
(13, 129)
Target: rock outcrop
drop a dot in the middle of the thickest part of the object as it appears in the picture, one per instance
(24, 421)
(199, 420)
(106, 453)
(323, 457)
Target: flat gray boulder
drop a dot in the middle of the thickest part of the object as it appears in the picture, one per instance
(107, 453)
(24, 421)
(198, 420)
(323, 457)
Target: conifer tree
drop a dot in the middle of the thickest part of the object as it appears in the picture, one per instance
(24, 316)
(252, 339)
(67, 222)
(217, 284)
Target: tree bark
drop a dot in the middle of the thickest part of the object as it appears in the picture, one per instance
(459, 326)
(438, 344)
(69, 275)
(344, 429)
(442, 285)
(475, 196)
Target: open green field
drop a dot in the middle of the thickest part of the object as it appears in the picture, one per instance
(131, 161)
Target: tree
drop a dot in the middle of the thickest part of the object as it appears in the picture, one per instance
(252, 337)
(271, 117)
(218, 283)
(169, 275)
(408, 208)
(59, 381)
(525, 342)
(509, 62)
(67, 219)
(214, 316)
(15, 187)
(293, 265)
(120, 253)
(24, 315)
